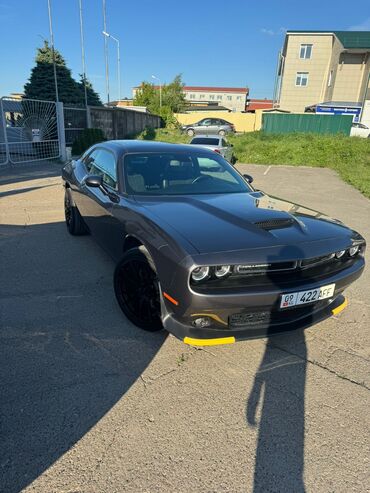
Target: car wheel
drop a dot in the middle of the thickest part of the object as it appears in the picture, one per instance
(136, 287)
(222, 133)
(190, 132)
(74, 221)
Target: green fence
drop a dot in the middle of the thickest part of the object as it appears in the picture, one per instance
(277, 123)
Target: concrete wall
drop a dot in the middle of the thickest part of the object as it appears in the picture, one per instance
(244, 122)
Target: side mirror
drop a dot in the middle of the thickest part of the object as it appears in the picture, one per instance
(94, 181)
(248, 178)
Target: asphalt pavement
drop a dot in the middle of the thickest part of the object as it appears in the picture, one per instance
(89, 403)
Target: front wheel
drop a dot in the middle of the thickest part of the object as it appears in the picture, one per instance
(137, 290)
(190, 132)
(74, 221)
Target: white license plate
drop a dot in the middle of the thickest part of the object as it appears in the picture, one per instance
(309, 296)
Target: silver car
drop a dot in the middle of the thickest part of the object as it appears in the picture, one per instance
(215, 143)
(209, 126)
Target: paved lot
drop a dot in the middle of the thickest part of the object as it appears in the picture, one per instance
(89, 403)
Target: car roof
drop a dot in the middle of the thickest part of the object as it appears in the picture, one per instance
(120, 147)
(211, 136)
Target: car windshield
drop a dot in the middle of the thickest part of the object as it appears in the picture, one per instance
(205, 141)
(180, 174)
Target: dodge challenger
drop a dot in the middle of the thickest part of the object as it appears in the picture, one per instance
(202, 253)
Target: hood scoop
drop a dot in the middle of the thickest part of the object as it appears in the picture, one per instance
(268, 224)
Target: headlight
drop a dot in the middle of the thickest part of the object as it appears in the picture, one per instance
(222, 270)
(200, 273)
(353, 250)
(340, 253)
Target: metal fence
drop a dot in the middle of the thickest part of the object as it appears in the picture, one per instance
(28, 130)
(275, 123)
(75, 121)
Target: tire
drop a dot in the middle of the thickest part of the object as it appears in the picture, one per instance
(222, 133)
(75, 224)
(190, 132)
(136, 287)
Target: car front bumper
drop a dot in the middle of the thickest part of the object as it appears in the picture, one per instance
(263, 317)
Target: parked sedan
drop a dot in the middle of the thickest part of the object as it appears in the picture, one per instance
(209, 126)
(199, 251)
(217, 144)
(360, 130)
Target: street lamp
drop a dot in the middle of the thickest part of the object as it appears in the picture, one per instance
(118, 62)
(160, 90)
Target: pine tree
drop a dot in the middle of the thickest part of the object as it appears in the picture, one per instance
(41, 84)
(93, 98)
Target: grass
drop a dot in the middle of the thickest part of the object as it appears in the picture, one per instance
(349, 156)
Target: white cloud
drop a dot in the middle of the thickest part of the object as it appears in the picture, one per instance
(363, 26)
(271, 32)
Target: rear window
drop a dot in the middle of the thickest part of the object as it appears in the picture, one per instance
(205, 141)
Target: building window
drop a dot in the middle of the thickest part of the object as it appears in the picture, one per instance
(305, 51)
(211, 96)
(301, 79)
(238, 98)
(201, 96)
(330, 78)
(229, 98)
(219, 96)
(192, 96)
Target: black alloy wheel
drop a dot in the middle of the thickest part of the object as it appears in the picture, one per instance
(74, 221)
(137, 290)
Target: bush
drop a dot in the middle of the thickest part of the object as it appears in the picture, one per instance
(87, 138)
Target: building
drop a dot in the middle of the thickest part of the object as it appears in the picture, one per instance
(231, 98)
(317, 67)
(259, 104)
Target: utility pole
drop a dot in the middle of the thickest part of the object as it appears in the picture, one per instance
(107, 35)
(106, 51)
(83, 52)
(53, 52)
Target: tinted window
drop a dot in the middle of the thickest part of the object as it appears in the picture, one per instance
(102, 162)
(207, 121)
(205, 141)
(180, 174)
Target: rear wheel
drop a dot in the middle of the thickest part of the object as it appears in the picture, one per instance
(74, 222)
(222, 133)
(137, 289)
(190, 132)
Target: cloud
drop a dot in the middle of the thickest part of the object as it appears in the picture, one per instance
(271, 32)
(363, 26)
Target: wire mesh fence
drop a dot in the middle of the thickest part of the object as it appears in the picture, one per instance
(29, 130)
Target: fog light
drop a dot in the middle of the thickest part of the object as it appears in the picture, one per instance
(340, 253)
(202, 322)
(200, 273)
(353, 250)
(222, 270)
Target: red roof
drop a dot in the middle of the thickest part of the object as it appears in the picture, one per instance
(259, 104)
(242, 90)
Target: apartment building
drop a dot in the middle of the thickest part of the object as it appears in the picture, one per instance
(232, 98)
(323, 66)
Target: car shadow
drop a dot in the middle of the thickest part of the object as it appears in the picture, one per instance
(276, 406)
(67, 353)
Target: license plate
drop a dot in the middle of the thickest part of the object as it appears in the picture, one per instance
(309, 296)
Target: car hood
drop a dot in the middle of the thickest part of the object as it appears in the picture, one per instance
(244, 221)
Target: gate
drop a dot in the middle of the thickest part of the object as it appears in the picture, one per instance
(28, 130)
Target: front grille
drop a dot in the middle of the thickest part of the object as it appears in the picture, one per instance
(274, 223)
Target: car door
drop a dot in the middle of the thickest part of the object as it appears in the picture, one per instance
(203, 126)
(99, 203)
(213, 126)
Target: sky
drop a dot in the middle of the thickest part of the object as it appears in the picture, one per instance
(209, 42)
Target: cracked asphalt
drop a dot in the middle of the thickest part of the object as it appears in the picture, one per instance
(89, 403)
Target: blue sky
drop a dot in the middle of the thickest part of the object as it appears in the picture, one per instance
(211, 42)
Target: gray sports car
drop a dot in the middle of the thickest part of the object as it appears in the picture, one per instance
(199, 251)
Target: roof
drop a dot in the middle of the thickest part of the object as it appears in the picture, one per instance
(242, 90)
(349, 39)
(259, 104)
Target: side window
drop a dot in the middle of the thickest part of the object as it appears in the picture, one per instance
(89, 160)
(106, 164)
(223, 143)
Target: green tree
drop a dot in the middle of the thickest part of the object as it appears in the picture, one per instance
(41, 83)
(93, 98)
(173, 99)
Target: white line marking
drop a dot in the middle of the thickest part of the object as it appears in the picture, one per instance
(268, 169)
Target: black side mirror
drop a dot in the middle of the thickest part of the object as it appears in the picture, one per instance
(95, 181)
(248, 178)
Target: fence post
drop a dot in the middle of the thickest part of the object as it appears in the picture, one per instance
(61, 132)
(88, 117)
